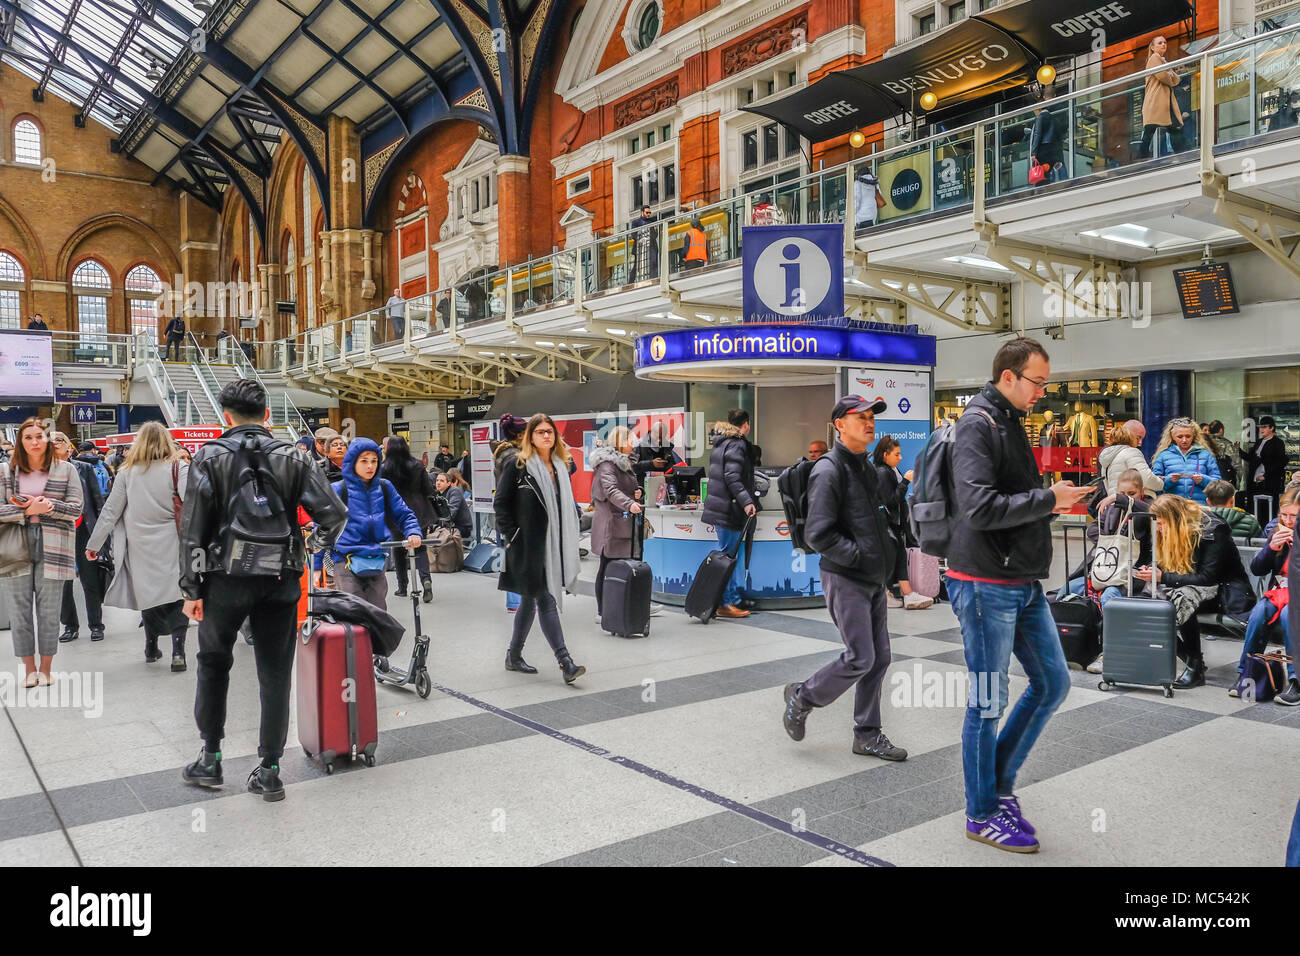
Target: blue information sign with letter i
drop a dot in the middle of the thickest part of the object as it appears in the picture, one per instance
(793, 273)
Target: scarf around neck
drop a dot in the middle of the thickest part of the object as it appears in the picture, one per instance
(561, 527)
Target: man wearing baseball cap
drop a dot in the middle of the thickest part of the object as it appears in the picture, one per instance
(322, 438)
(848, 525)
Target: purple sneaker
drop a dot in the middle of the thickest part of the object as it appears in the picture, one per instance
(1011, 804)
(1001, 831)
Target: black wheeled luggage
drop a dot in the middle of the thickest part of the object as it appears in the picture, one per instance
(710, 581)
(625, 600)
(1077, 616)
(1141, 638)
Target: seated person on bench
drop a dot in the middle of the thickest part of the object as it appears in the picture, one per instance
(1220, 495)
(1110, 518)
(1268, 621)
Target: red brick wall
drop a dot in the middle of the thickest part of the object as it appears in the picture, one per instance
(84, 202)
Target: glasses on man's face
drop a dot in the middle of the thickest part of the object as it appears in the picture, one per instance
(60, 441)
(1039, 384)
(1288, 517)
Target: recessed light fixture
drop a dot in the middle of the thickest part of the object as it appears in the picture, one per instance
(1126, 234)
(977, 261)
(617, 331)
(549, 345)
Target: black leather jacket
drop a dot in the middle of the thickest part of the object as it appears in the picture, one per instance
(211, 474)
(848, 520)
(1002, 526)
(731, 480)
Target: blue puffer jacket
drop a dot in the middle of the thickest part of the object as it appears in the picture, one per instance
(1198, 460)
(373, 508)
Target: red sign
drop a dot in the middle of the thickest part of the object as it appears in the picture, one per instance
(1067, 459)
(189, 438)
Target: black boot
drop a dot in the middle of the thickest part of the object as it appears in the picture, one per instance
(426, 582)
(571, 670)
(515, 660)
(1193, 676)
(178, 652)
(204, 772)
(265, 781)
(69, 634)
(151, 652)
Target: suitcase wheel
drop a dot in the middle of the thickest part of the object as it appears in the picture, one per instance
(329, 767)
(307, 752)
(1169, 691)
(369, 759)
(1103, 685)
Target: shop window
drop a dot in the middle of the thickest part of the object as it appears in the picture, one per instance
(27, 143)
(12, 282)
(143, 287)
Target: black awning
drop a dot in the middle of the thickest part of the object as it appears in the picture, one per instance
(980, 56)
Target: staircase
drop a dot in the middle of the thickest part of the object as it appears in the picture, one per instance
(188, 378)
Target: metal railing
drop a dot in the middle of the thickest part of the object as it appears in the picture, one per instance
(89, 348)
(1097, 130)
(179, 405)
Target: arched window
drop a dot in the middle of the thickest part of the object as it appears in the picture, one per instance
(290, 283)
(13, 282)
(91, 285)
(27, 143)
(143, 287)
(308, 276)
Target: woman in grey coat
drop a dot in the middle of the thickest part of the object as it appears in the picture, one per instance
(615, 492)
(148, 550)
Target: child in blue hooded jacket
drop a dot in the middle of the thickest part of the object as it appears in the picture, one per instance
(374, 506)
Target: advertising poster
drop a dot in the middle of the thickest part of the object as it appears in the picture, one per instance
(484, 487)
(26, 367)
(583, 433)
(910, 399)
(906, 185)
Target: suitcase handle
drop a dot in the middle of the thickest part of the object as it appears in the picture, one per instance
(1132, 523)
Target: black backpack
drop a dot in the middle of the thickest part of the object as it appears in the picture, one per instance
(933, 505)
(793, 485)
(259, 535)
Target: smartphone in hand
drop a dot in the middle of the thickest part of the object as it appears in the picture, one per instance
(22, 501)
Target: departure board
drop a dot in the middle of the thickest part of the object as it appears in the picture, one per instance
(1206, 291)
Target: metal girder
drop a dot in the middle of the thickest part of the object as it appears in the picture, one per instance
(1053, 269)
(936, 295)
(1263, 226)
(458, 366)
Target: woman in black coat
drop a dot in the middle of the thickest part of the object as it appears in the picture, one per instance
(412, 483)
(537, 517)
(893, 491)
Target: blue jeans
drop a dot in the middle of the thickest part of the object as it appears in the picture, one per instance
(1258, 631)
(997, 619)
(727, 539)
(1108, 595)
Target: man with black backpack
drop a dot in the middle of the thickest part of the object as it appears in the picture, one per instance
(847, 523)
(242, 557)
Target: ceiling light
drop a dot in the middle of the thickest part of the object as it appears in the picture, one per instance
(1126, 234)
(155, 71)
(617, 331)
(977, 261)
(581, 328)
(549, 345)
(488, 354)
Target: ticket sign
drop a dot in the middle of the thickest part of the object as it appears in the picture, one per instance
(191, 438)
(1206, 290)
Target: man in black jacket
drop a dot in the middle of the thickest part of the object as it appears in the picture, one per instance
(175, 334)
(444, 459)
(731, 500)
(88, 572)
(848, 525)
(1266, 462)
(220, 602)
(1001, 546)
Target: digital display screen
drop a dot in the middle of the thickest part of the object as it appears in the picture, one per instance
(1206, 290)
(26, 367)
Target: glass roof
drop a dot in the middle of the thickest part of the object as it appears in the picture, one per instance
(72, 44)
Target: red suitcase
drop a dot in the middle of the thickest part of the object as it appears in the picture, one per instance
(337, 713)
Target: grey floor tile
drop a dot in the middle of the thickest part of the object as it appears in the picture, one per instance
(12, 807)
(493, 730)
(1098, 743)
(918, 805)
(27, 824)
(93, 802)
(720, 830)
(1266, 713)
(776, 849)
(951, 635)
(836, 795)
(716, 858)
(602, 856)
(845, 829)
(796, 805)
(950, 657)
(661, 848)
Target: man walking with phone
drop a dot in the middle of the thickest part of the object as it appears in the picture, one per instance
(1001, 547)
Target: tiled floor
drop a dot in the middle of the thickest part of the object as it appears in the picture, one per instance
(669, 751)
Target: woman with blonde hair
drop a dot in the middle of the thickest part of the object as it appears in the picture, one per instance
(457, 479)
(1185, 461)
(1160, 109)
(1195, 562)
(539, 521)
(142, 510)
(42, 495)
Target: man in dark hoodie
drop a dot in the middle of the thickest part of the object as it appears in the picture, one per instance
(731, 500)
(1001, 547)
(88, 572)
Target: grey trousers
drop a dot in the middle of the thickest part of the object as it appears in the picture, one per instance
(858, 610)
(372, 589)
(30, 593)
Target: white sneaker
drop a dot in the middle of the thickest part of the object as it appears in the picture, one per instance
(597, 619)
(916, 602)
(891, 601)
(656, 609)
(1095, 666)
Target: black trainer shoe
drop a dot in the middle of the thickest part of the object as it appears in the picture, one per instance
(266, 781)
(878, 745)
(97, 633)
(204, 772)
(69, 634)
(1289, 697)
(795, 715)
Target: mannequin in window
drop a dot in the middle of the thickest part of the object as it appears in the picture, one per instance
(1047, 437)
(1081, 429)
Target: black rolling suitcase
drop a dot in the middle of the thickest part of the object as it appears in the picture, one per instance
(1077, 616)
(625, 602)
(711, 578)
(1141, 639)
